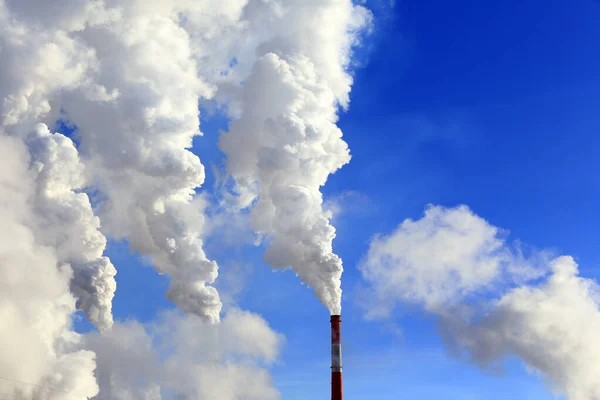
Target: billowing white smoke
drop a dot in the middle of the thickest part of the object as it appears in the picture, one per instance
(37, 345)
(285, 143)
(35, 63)
(451, 260)
(129, 74)
(67, 223)
(137, 143)
(182, 357)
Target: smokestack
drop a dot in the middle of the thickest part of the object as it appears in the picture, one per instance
(336, 358)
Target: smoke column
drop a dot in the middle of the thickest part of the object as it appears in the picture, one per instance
(284, 142)
(37, 344)
(69, 224)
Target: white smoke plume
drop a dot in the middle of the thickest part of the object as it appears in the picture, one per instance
(37, 346)
(285, 143)
(46, 235)
(33, 64)
(137, 143)
(129, 75)
(67, 223)
(491, 301)
(183, 357)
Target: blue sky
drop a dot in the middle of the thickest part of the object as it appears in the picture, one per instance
(489, 104)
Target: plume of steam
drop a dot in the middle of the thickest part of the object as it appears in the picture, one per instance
(33, 64)
(67, 223)
(183, 357)
(285, 143)
(129, 75)
(50, 246)
(137, 145)
(451, 259)
(125, 73)
(37, 346)
(43, 359)
(136, 120)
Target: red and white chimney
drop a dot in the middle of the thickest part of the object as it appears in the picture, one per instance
(336, 358)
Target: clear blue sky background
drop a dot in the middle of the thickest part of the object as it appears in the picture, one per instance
(493, 104)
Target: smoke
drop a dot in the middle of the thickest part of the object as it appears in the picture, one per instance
(491, 301)
(183, 357)
(67, 223)
(49, 253)
(285, 142)
(37, 343)
(33, 64)
(128, 76)
(137, 143)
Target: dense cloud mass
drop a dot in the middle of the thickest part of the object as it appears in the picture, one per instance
(127, 76)
(451, 262)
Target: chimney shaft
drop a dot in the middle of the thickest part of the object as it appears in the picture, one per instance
(336, 358)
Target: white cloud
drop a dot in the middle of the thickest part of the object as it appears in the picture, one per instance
(552, 327)
(447, 255)
(452, 262)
